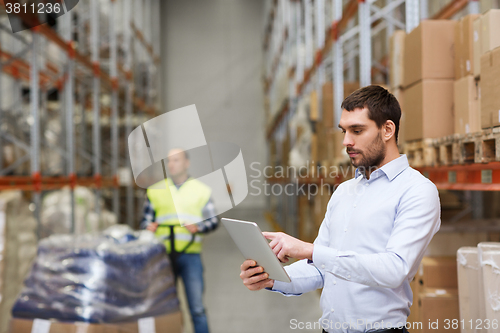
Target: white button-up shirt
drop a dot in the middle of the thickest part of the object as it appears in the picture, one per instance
(368, 249)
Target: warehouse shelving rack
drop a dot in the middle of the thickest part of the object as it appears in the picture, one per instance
(316, 40)
(118, 71)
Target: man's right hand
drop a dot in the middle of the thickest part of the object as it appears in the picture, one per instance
(254, 277)
(152, 226)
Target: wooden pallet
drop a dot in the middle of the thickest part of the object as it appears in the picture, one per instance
(421, 153)
(478, 147)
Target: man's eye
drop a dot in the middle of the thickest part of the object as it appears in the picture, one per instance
(357, 132)
(343, 131)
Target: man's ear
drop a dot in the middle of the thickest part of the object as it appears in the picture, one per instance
(389, 130)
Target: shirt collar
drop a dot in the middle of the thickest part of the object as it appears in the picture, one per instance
(178, 185)
(391, 169)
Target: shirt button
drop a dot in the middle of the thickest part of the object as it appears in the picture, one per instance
(366, 184)
(334, 282)
(354, 205)
(348, 277)
(322, 266)
(345, 229)
(332, 310)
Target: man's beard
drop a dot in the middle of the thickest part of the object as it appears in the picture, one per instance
(373, 156)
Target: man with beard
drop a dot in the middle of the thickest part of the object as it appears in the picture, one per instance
(375, 231)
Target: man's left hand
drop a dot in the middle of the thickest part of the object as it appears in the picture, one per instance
(192, 228)
(285, 246)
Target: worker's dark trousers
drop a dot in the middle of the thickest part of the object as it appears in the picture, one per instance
(189, 268)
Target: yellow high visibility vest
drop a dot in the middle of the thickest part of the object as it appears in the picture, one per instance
(189, 200)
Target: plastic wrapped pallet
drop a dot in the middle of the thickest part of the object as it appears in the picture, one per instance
(56, 210)
(489, 259)
(468, 286)
(17, 249)
(112, 277)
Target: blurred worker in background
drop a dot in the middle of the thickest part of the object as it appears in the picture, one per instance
(374, 234)
(181, 227)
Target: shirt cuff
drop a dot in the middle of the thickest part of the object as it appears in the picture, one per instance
(281, 287)
(324, 257)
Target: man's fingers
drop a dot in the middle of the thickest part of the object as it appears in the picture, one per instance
(251, 271)
(247, 264)
(256, 278)
(283, 254)
(269, 235)
(267, 283)
(277, 248)
(273, 243)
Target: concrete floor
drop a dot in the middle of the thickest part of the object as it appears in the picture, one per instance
(233, 308)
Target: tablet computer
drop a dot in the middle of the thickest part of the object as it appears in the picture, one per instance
(253, 245)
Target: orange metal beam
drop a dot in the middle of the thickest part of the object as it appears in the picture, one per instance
(450, 9)
(28, 183)
(148, 46)
(473, 177)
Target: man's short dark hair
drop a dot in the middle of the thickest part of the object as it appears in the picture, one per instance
(381, 105)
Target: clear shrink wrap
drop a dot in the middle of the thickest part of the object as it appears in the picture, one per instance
(115, 276)
(468, 286)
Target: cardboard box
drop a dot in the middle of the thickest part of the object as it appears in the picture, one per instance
(171, 323)
(437, 273)
(448, 243)
(437, 307)
(490, 89)
(468, 285)
(398, 93)
(396, 57)
(431, 305)
(429, 52)
(490, 26)
(307, 229)
(477, 47)
(339, 150)
(313, 106)
(314, 149)
(464, 46)
(466, 102)
(428, 110)
(328, 101)
(321, 141)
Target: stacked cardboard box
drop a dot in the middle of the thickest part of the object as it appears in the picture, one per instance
(326, 145)
(466, 88)
(464, 47)
(435, 295)
(487, 65)
(490, 25)
(396, 75)
(477, 47)
(306, 226)
(396, 59)
(428, 80)
(448, 243)
(490, 88)
(467, 112)
(329, 103)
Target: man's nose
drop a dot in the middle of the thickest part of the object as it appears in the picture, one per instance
(347, 140)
